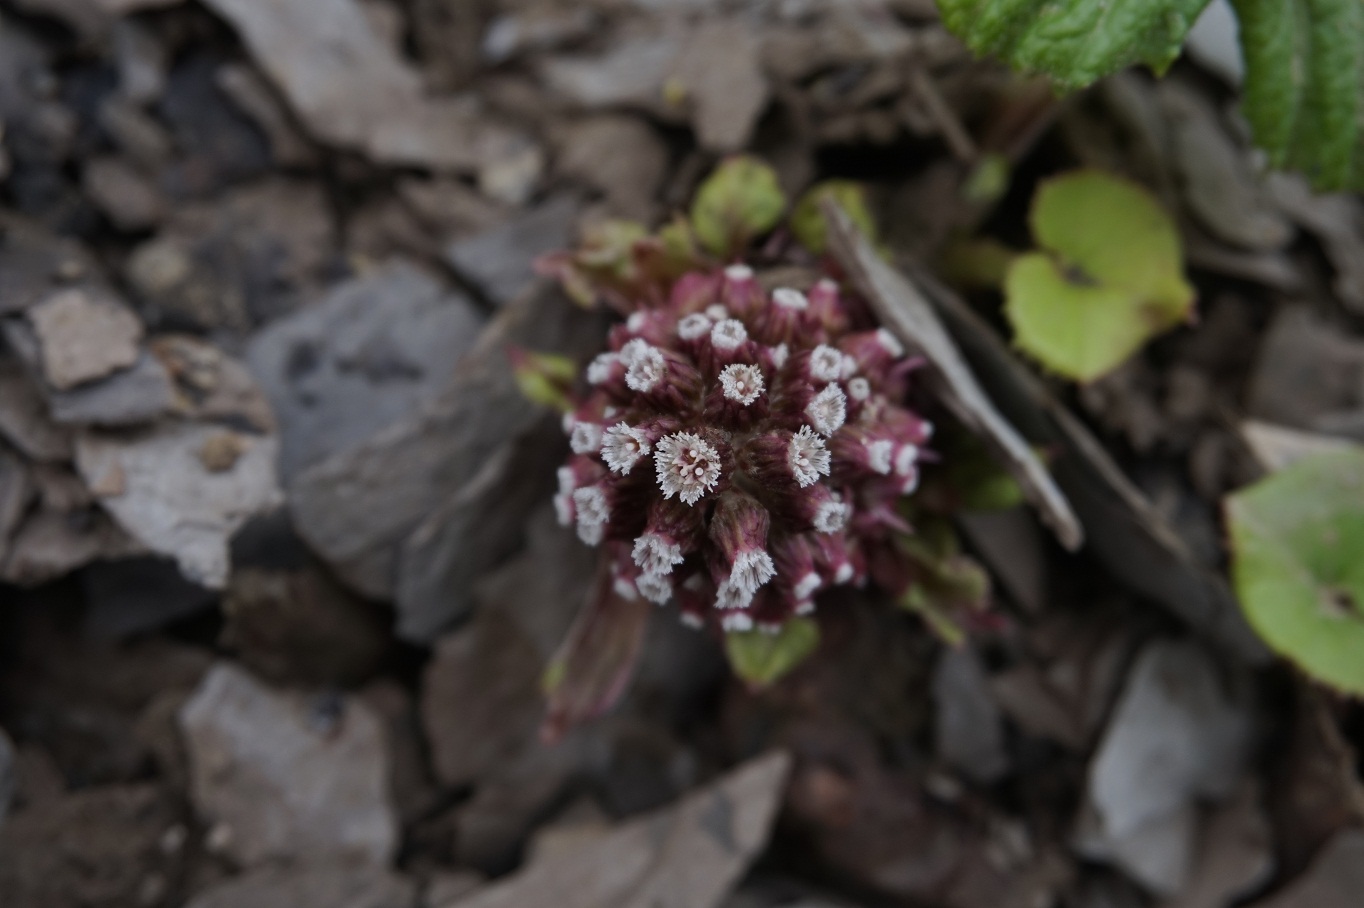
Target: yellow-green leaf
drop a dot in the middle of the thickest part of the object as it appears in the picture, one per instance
(543, 378)
(739, 201)
(1297, 542)
(1108, 278)
(761, 658)
(807, 219)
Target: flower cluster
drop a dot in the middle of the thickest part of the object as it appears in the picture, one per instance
(739, 450)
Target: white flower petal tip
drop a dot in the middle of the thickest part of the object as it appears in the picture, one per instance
(622, 447)
(831, 516)
(693, 327)
(656, 554)
(742, 383)
(687, 466)
(654, 587)
(890, 342)
(728, 334)
(859, 389)
(586, 438)
(826, 364)
(645, 367)
(807, 457)
(786, 298)
(828, 411)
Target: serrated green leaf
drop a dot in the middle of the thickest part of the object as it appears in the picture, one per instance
(1304, 86)
(1074, 41)
(761, 658)
(741, 200)
(1110, 277)
(807, 218)
(1296, 540)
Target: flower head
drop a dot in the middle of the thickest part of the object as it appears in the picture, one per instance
(778, 444)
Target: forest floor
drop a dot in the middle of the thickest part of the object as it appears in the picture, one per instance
(279, 572)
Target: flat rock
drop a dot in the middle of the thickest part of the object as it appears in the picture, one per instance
(351, 88)
(390, 514)
(319, 886)
(50, 544)
(133, 396)
(251, 255)
(499, 260)
(1308, 375)
(690, 854)
(157, 485)
(123, 194)
(286, 776)
(24, 420)
(631, 73)
(1335, 879)
(969, 724)
(83, 337)
(34, 263)
(371, 352)
(719, 70)
(1178, 735)
(619, 156)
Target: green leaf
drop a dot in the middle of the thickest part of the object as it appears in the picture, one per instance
(1074, 41)
(761, 658)
(1109, 279)
(543, 378)
(807, 219)
(1296, 540)
(739, 201)
(947, 585)
(1304, 87)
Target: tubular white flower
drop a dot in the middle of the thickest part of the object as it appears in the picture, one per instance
(737, 621)
(828, 410)
(890, 342)
(780, 354)
(599, 370)
(787, 298)
(859, 388)
(807, 585)
(751, 570)
(717, 312)
(729, 596)
(849, 367)
(632, 350)
(568, 421)
(622, 447)
(831, 516)
(586, 438)
(879, 454)
(593, 512)
(654, 587)
(646, 368)
(692, 620)
(656, 554)
(826, 363)
(807, 457)
(844, 573)
(687, 466)
(563, 508)
(636, 321)
(804, 607)
(906, 460)
(738, 272)
(567, 483)
(625, 588)
(728, 334)
(693, 327)
(742, 382)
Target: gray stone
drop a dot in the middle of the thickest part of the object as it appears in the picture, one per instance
(160, 486)
(499, 260)
(341, 369)
(1180, 734)
(720, 71)
(352, 89)
(689, 854)
(24, 421)
(449, 463)
(285, 776)
(1335, 879)
(969, 724)
(83, 337)
(314, 886)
